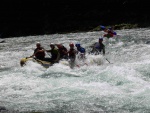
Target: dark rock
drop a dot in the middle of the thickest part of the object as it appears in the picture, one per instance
(2, 108)
(3, 41)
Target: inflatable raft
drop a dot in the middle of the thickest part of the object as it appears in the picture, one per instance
(45, 64)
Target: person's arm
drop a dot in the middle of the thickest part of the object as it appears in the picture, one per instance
(103, 50)
(65, 51)
(38, 51)
(93, 48)
(41, 50)
(76, 51)
(35, 51)
(48, 50)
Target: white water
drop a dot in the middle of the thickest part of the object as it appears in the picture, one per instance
(122, 86)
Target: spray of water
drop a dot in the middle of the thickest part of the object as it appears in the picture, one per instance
(116, 82)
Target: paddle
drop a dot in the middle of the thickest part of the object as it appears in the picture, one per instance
(108, 60)
(35, 59)
(38, 61)
(97, 52)
(102, 27)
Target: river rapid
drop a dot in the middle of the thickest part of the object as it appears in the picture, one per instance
(121, 85)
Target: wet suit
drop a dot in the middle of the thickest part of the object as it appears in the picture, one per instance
(98, 47)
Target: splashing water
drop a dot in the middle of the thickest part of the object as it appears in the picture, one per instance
(119, 86)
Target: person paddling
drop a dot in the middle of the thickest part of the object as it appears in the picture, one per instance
(63, 51)
(81, 51)
(55, 55)
(98, 47)
(72, 52)
(39, 52)
(109, 31)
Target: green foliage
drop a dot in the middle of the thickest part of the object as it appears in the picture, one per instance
(125, 26)
(117, 27)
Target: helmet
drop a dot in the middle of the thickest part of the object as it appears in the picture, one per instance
(102, 27)
(101, 38)
(38, 44)
(78, 45)
(71, 45)
(115, 33)
(52, 44)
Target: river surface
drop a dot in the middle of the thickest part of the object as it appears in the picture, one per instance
(120, 84)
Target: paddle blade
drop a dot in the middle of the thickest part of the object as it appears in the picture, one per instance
(102, 27)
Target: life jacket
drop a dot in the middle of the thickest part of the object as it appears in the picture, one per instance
(72, 53)
(108, 35)
(39, 55)
(81, 49)
(54, 53)
(63, 51)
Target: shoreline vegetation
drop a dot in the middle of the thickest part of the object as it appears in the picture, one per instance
(116, 27)
(30, 18)
(119, 27)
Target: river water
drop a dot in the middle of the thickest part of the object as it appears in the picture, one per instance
(121, 86)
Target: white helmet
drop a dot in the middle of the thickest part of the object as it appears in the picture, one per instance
(38, 43)
(52, 44)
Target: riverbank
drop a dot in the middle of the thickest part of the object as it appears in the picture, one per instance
(28, 18)
(115, 27)
(84, 29)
